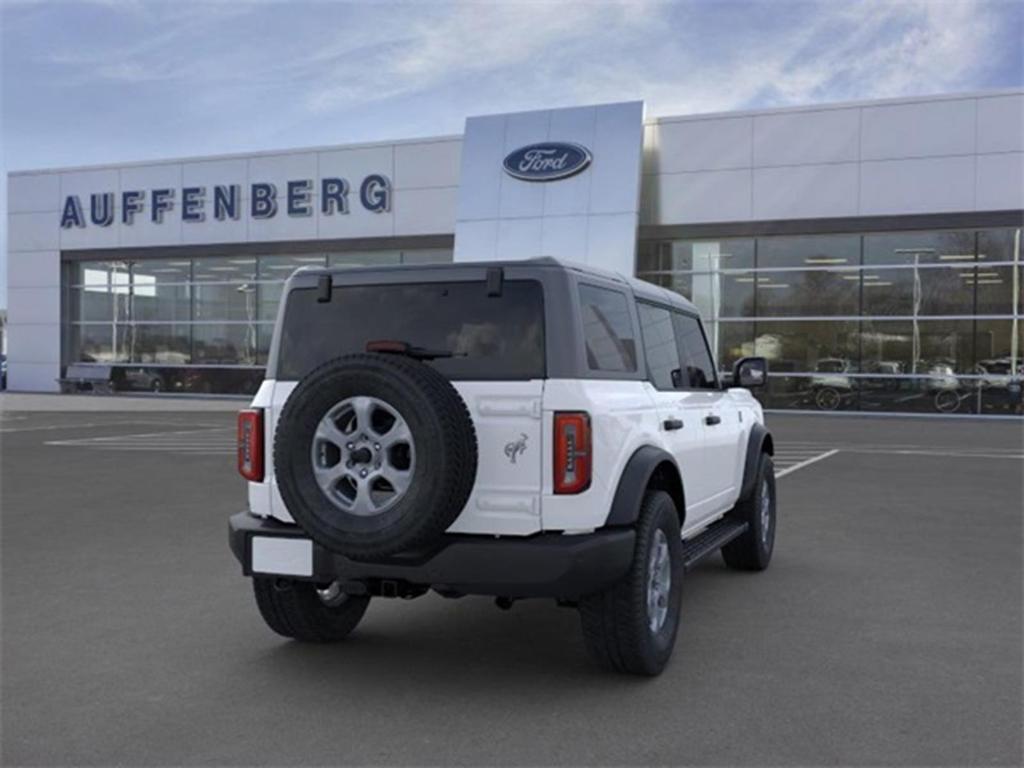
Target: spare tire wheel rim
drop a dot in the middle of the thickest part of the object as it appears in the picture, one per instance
(363, 455)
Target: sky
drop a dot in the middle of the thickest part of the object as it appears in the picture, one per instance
(101, 81)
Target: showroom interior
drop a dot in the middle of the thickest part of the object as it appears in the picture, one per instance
(870, 251)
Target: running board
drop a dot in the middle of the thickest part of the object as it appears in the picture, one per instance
(710, 540)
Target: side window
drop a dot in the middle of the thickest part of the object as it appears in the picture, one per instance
(607, 329)
(698, 368)
(660, 347)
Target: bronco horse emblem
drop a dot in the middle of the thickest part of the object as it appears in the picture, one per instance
(515, 447)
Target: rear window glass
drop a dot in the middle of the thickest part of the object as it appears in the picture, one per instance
(490, 337)
(607, 330)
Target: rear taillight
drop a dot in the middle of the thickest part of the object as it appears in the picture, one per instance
(250, 444)
(572, 452)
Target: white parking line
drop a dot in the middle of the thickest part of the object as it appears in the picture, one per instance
(212, 440)
(948, 454)
(806, 462)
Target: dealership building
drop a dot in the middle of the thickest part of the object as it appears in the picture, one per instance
(871, 250)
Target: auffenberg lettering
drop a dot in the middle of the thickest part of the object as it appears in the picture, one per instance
(297, 198)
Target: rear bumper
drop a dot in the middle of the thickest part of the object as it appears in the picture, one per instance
(545, 565)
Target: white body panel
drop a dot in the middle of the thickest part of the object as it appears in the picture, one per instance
(516, 497)
(506, 498)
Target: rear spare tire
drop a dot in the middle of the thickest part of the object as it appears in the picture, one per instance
(375, 455)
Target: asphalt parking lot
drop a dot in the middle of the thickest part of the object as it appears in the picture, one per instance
(887, 631)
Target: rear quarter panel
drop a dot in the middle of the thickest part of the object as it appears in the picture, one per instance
(622, 418)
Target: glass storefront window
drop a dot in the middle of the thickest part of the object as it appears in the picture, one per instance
(719, 294)
(99, 343)
(733, 341)
(819, 346)
(168, 344)
(806, 293)
(269, 297)
(85, 304)
(106, 276)
(224, 301)
(998, 346)
(279, 268)
(159, 318)
(155, 271)
(928, 320)
(918, 291)
(219, 269)
(999, 288)
(935, 348)
(999, 245)
(695, 255)
(919, 248)
(808, 251)
(162, 302)
(224, 344)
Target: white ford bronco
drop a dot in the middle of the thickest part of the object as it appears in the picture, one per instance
(514, 429)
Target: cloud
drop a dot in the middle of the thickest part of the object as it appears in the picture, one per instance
(607, 51)
(459, 41)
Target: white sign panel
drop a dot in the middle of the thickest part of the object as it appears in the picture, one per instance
(559, 182)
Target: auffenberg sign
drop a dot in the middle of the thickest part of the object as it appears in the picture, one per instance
(225, 202)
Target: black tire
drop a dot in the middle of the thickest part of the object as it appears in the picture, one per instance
(753, 550)
(295, 609)
(947, 401)
(616, 625)
(443, 473)
(827, 399)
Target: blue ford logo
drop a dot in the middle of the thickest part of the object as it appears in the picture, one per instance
(547, 162)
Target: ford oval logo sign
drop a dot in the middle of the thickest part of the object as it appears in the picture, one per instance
(547, 162)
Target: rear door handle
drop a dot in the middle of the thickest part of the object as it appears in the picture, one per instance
(670, 424)
(712, 420)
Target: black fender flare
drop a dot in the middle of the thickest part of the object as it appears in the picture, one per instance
(760, 441)
(647, 467)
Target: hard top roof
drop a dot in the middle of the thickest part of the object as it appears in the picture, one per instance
(640, 288)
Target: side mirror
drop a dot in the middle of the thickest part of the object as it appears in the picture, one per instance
(677, 378)
(750, 372)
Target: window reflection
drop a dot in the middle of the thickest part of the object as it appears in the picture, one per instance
(919, 291)
(927, 347)
(808, 251)
(166, 314)
(940, 315)
(695, 255)
(808, 346)
(813, 292)
(920, 248)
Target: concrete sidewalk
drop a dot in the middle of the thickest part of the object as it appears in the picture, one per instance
(34, 402)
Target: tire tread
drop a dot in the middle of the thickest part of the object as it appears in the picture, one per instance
(297, 612)
(614, 621)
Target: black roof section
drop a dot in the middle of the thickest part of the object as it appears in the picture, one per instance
(641, 288)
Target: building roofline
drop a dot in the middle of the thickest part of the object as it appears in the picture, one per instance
(827, 106)
(446, 138)
(696, 116)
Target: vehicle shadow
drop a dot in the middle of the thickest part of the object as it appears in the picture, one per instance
(458, 645)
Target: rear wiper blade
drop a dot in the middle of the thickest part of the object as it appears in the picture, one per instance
(396, 347)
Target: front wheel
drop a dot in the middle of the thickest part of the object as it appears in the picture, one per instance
(304, 611)
(752, 551)
(632, 626)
